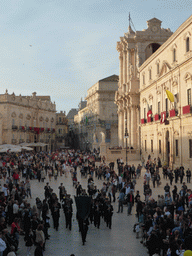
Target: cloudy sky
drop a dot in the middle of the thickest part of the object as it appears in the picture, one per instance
(62, 47)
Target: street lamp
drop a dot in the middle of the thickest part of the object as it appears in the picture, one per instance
(126, 137)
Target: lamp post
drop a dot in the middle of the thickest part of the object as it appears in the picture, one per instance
(126, 137)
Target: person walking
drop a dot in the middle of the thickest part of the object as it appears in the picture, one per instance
(130, 202)
(121, 199)
(188, 174)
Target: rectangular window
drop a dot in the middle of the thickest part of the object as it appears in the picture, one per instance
(157, 68)
(151, 145)
(174, 55)
(159, 108)
(150, 74)
(59, 119)
(145, 145)
(176, 148)
(176, 100)
(189, 96)
(108, 136)
(166, 104)
(190, 148)
(159, 146)
(143, 79)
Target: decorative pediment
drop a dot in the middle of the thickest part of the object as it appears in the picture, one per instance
(13, 114)
(40, 118)
(187, 34)
(21, 116)
(28, 117)
(175, 81)
(176, 133)
(165, 68)
(144, 100)
(150, 97)
(187, 76)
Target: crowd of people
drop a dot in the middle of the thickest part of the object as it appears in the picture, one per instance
(164, 224)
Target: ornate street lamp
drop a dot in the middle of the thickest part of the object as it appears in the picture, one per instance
(126, 137)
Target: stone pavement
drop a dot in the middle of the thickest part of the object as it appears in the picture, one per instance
(120, 240)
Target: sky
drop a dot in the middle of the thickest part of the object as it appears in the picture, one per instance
(63, 47)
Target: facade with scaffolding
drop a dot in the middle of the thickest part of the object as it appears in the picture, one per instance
(97, 120)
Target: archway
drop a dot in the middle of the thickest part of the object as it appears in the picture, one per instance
(150, 49)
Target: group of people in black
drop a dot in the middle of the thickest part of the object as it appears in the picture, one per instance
(165, 224)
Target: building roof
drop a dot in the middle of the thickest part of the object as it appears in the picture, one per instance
(44, 98)
(72, 113)
(113, 78)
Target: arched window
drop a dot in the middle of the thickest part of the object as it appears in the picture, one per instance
(187, 44)
(174, 55)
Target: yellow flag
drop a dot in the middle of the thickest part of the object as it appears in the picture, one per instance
(170, 96)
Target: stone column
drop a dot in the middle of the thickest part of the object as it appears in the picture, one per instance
(171, 147)
(120, 125)
(133, 127)
(120, 68)
(138, 129)
(124, 66)
(129, 125)
(128, 63)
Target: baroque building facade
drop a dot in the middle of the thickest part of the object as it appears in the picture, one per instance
(166, 127)
(134, 48)
(27, 119)
(96, 121)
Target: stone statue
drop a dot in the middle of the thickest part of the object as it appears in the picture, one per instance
(103, 137)
(94, 138)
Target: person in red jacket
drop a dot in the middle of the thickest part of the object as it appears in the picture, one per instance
(16, 177)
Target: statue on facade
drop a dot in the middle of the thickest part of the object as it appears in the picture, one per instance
(102, 137)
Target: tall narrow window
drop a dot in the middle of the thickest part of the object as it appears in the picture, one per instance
(176, 100)
(159, 146)
(13, 121)
(145, 145)
(151, 145)
(190, 148)
(166, 104)
(189, 96)
(143, 79)
(187, 44)
(150, 74)
(157, 68)
(176, 148)
(151, 108)
(174, 55)
(159, 108)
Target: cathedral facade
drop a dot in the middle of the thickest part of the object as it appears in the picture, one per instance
(134, 49)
